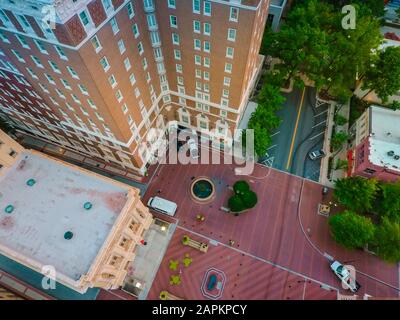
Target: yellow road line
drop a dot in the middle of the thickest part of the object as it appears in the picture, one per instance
(295, 130)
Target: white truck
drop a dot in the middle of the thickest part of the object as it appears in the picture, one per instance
(344, 275)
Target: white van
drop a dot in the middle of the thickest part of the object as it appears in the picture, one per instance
(162, 205)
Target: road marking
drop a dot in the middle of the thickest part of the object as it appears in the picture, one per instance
(275, 133)
(317, 115)
(275, 145)
(295, 130)
(312, 138)
(318, 124)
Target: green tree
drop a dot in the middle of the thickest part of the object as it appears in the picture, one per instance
(313, 42)
(387, 240)
(338, 138)
(340, 120)
(341, 164)
(264, 119)
(395, 105)
(249, 199)
(351, 230)
(236, 204)
(356, 193)
(383, 76)
(241, 187)
(389, 204)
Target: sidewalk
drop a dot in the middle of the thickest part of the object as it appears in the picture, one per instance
(342, 154)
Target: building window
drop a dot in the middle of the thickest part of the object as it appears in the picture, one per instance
(72, 73)
(227, 81)
(229, 52)
(83, 89)
(13, 153)
(207, 28)
(84, 16)
(132, 79)
(54, 66)
(22, 41)
(207, 8)
(140, 48)
(121, 46)
(96, 44)
(197, 44)
(196, 6)
(177, 54)
(197, 60)
(114, 25)
(104, 63)
(228, 67)
(175, 39)
(135, 30)
(131, 12)
(172, 4)
(206, 46)
(118, 95)
(36, 60)
(61, 52)
(196, 26)
(40, 46)
(231, 34)
(108, 7)
(127, 64)
(112, 81)
(206, 62)
(369, 171)
(173, 21)
(18, 56)
(178, 68)
(234, 14)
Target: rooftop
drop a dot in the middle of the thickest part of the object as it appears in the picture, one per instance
(385, 137)
(36, 231)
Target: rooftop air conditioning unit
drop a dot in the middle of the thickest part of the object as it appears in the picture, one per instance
(390, 153)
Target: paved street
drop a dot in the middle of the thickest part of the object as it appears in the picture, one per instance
(301, 131)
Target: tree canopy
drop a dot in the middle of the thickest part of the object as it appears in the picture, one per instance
(313, 42)
(387, 239)
(383, 76)
(356, 193)
(351, 230)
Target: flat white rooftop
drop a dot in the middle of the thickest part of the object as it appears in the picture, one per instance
(385, 138)
(54, 205)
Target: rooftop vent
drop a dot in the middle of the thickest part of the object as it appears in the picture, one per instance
(9, 208)
(390, 153)
(88, 205)
(396, 157)
(68, 235)
(31, 182)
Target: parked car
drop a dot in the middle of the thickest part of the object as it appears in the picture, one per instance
(194, 149)
(162, 205)
(316, 154)
(344, 275)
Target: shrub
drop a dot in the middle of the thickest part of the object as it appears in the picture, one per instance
(249, 199)
(241, 187)
(236, 204)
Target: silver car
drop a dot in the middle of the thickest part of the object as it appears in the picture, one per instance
(316, 154)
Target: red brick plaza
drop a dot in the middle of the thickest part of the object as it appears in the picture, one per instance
(280, 247)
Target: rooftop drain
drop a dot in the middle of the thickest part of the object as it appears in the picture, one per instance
(88, 205)
(31, 182)
(9, 208)
(68, 235)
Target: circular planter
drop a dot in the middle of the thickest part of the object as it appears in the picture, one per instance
(202, 190)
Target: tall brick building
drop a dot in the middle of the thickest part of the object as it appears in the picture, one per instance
(111, 70)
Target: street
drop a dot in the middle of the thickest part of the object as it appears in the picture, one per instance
(302, 130)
